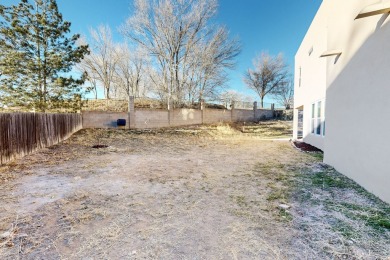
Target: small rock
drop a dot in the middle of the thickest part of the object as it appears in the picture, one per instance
(5, 234)
(284, 206)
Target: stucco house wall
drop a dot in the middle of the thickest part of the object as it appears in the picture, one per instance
(357, 93)
(310, 75)
(358, 98)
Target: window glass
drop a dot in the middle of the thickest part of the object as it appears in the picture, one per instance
(313, 109)
(313, 118)
(318, 123)
(319, 109)
(318, 127)
(323, 120)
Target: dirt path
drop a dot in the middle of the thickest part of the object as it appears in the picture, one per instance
(167, 195)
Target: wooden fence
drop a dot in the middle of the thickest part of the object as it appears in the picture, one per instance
(23, 133)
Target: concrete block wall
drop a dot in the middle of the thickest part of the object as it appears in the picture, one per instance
(260, 114)
(151, 118)
(211, 116)
(155, 118)
(182, 117)
(98, 119)
(243, 115)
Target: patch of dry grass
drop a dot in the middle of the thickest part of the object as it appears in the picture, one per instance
(337, 217)
(195, 192)
(267, 129)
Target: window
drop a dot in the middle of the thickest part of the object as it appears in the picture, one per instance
(318, 119)
(313, 118)
(323, 122)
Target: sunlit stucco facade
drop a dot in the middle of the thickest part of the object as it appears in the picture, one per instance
(342, 90)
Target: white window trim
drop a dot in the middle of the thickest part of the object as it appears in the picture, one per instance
(314, 120)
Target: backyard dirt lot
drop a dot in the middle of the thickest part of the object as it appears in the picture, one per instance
(206, 192)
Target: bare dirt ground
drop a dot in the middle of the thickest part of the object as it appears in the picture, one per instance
(209, 192)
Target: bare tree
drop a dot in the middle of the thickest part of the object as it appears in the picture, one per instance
(93, 86)
(173, 32)
(269, 74)
(213, 58)
(101, 63)
(230, 96)
(234, 95)
(285, 94)
(130, 70)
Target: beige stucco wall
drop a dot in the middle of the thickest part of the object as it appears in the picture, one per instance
(357, 92)
(358, 98)
(310, 74)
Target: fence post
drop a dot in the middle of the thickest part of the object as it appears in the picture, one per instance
(170, 112)
(232, 111)
(254, 110)
(202, 109)
(131, 112)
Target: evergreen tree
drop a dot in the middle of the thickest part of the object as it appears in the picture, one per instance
(36, 56)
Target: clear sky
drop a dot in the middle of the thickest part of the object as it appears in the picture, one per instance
(261, 25)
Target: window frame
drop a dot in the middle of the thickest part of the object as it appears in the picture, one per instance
(312, 119)
(317, 119)
(318, 123)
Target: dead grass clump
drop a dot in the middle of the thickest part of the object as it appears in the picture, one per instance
(225, 130)
(267, 129)
(6, 174)
(8, 231)
(220, 131)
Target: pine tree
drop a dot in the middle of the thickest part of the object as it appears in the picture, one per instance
(37, 55)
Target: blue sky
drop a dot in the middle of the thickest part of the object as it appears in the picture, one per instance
(261, 25)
